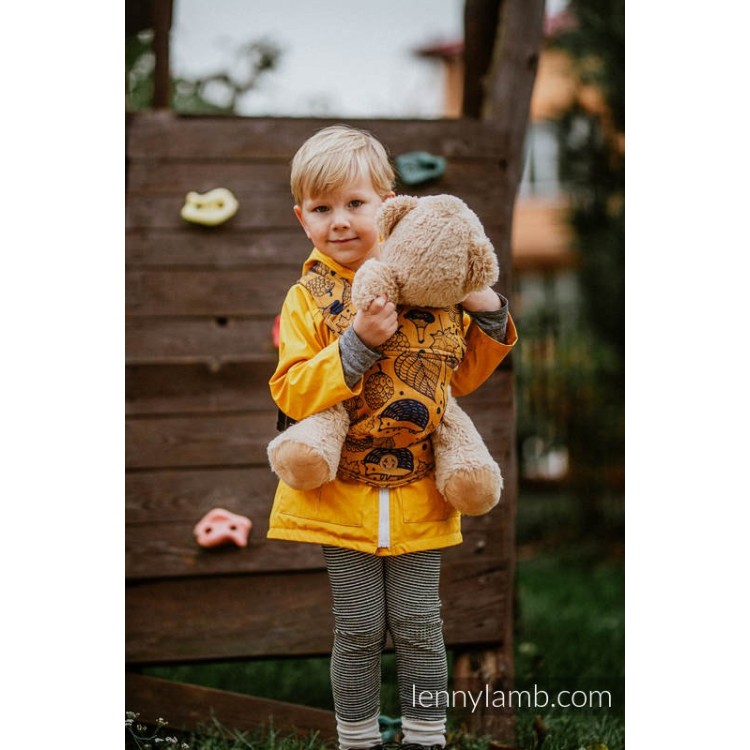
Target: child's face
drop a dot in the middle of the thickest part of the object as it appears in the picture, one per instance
(341, 224)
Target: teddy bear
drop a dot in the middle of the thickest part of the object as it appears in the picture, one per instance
(434, 252)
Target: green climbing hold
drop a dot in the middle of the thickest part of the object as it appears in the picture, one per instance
(417, 167)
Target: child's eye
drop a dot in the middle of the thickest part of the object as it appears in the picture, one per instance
(320, 209)
(356, 203)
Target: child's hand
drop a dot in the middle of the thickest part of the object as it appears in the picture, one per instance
(485, 300)
(376, 324)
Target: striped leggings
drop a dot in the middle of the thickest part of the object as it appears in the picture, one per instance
(374, 595)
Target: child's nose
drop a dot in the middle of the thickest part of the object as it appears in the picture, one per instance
(340, 219)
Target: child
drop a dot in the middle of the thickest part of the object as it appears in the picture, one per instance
(381, 540)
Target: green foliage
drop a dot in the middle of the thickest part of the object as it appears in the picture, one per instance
(566, 732)
(139, 70)
(571, 620)
(217, 93)
(560, 366)
(219, 737)
(593, 163)
(598, 43)
(570, 635)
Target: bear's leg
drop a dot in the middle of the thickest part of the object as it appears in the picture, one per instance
(306, 455)
(465, 473)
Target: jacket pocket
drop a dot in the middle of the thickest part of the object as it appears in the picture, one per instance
(425, 504)
(298, 503)
(338, 506)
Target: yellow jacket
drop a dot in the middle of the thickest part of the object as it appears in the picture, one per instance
(310, 378)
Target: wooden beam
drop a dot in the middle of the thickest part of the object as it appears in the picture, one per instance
(510, 81)
(518, 41)
(483, 672)
(505, 108)
(188, 707)
(161, 15)
(480, 24)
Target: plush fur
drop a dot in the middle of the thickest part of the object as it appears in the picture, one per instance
(434, 253)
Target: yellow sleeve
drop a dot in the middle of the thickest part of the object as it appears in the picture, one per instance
(309, 376)
(483, 355)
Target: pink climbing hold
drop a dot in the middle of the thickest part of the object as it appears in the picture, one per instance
(220, 526)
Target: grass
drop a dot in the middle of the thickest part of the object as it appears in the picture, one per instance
(569, 636)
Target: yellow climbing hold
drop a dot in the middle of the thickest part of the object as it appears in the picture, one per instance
(211, 208)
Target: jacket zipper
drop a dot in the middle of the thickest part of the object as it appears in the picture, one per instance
(384, 517)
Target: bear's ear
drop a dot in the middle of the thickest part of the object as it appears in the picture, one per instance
(392, 211)
(481, 265)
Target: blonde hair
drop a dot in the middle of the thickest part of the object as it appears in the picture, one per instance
(337, 155)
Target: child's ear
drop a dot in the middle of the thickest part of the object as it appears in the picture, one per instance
(298, 214)
(392, 211)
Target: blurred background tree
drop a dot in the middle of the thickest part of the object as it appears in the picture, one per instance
(593, 171)
(571, 386)
(212, 94)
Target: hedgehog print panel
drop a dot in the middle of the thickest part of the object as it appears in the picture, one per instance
(382, 465)
(404, 414)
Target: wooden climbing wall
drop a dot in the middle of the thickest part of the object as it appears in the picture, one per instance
(200, 309)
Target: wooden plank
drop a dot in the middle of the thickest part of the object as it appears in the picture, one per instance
(239, 616)
(217, 292)
(165, 135)
(221, 440)
(184, 496)
(262, 210)
(150, 176)
(162, 550)
(210, 341)
(188, 247)
(179, 389)
(228, 616)
(190, 707)
(274, 210)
